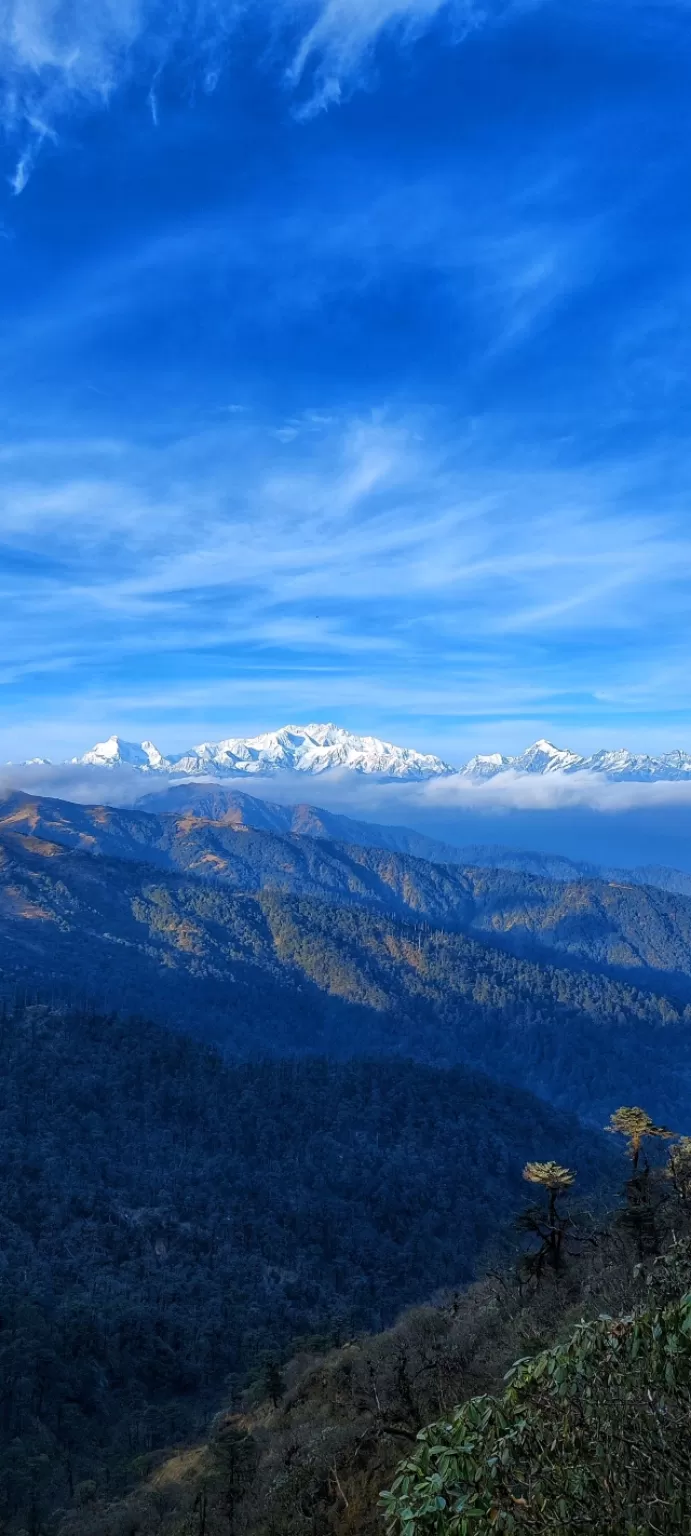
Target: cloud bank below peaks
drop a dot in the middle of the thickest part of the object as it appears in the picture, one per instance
(63, 56)
(358, 795)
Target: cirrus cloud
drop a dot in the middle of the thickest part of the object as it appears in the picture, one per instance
(58, 56)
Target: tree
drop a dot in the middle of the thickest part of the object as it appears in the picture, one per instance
(274, 1385)
(642, 1191)
(551, 1226)
(679, 1171)
(635, 1125)
(234, 1453)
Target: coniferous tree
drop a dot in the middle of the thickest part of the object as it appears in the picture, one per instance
(550, 1226)
(635, 1125)
(643, 1190)
(235, 1458)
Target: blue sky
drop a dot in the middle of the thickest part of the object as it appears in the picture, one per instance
(345, 371)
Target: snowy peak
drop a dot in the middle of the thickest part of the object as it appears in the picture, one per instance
(310, 749)
(543, 757)
(486, 766)
(115, 751)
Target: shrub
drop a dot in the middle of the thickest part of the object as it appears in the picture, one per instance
(593, 1435)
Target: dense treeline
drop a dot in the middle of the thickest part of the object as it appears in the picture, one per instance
(581, 1040)
(168, 1222)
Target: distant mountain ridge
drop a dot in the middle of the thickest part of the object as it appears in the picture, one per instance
(217, 802)
(617, 924)
(317, 749)
(342, 956)
(544, 758)
(193, 803)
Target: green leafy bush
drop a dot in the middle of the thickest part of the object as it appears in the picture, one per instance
(593, 1436)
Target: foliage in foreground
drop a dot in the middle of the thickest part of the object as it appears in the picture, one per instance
(591, 1435)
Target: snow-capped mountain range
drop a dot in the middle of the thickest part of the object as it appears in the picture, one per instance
(309, 749)
(544, 758)
(317, 749)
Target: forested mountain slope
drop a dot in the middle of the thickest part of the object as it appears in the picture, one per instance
(317, 1455)
(169, 1221)
(217, 802)
(613, 925)
(269, 974)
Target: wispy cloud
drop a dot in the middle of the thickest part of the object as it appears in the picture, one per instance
(342, 33)
(503, 265)
(369, 513)
(368, 564)
(435, 507)
(57, 56)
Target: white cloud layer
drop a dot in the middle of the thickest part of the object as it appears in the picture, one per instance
(390, 803)
(609, 824)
